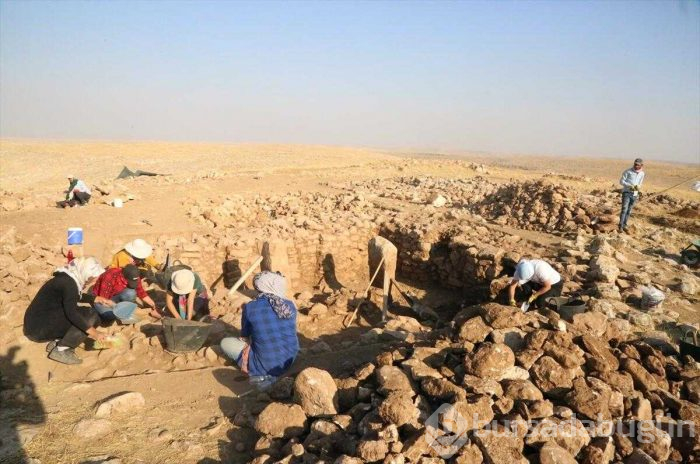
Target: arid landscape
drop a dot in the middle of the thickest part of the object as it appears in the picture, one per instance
(459, 221)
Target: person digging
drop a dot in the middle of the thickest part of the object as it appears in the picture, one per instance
(537, 280)
(120, 287)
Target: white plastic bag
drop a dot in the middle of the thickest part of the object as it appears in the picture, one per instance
(652, 297)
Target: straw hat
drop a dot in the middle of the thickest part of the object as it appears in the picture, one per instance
(139, 249)
(182, 281)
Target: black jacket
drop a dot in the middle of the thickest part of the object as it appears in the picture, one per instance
(56, 305)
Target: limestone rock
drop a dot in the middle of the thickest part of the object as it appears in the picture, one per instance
(549, 376)
(280, 420)
(392, 378)
(121, 403)
(490, 361)
(398, 408)
(473, 330)
(551, 453)
(587, 401)
(315, 390)
(92, 428)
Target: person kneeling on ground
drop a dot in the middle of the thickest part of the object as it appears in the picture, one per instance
(139, 253)
(538, 281)
(120, 287)
(78, 193)
(186, 296)
(54, 315)
(269, 322)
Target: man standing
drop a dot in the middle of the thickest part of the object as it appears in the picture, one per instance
(631, 181)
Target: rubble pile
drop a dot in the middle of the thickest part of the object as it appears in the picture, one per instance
(538, 205)
(497, 386)
(24, 267)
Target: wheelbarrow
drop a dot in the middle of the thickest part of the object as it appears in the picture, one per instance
(690, 255)
(689, 345)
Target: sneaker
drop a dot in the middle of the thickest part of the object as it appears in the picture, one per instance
(626, 230)
(51, 345)
(67, 356)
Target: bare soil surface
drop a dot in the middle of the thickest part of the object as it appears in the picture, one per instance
(191, 400)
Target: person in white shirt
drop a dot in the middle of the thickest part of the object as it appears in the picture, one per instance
(78, 193)
(631, 182)
(537, 280)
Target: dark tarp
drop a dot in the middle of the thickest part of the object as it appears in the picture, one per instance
(126, 173)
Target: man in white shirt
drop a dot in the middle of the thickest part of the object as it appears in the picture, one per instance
(78, 193)
(537, 280)
(631, 182)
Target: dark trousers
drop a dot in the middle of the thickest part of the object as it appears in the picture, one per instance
(628, 201)
(531, 287)
(69, 335)
(79, 198)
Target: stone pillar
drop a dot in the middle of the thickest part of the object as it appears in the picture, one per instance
(276, 258)
(378, 248)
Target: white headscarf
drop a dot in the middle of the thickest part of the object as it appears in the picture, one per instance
(81, 270)
(273, 287)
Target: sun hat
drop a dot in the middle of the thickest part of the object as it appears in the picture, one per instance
(139, 248)
(182, 281)
(131, 274)
(524, 272)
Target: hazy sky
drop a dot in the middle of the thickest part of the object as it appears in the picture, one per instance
(559, 77)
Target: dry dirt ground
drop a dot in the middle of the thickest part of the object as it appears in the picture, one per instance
(190, 400)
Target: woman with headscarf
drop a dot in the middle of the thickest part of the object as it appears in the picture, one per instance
(54, 315)
(269, 323)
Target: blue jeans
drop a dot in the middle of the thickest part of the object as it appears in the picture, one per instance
(232, 348)
(122, 310)
(628, 200)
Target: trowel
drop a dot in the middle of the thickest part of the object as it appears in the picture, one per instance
(525, 306)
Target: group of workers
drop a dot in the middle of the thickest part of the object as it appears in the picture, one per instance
(268, 342)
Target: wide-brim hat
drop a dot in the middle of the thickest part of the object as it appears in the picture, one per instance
(139, 248)
(182, 282)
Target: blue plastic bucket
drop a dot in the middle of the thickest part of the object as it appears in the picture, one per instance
(75, 236)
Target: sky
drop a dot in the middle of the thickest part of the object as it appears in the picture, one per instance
(614, 79)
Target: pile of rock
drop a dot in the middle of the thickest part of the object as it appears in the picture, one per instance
(24, 267)
(500, 386)
(537, 205)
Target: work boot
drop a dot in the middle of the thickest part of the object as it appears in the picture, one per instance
(66, 356)
(626, 230)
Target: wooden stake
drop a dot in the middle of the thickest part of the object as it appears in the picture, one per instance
(245, 275)
(347, 322)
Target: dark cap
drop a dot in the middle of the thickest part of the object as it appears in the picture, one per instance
(131, 274)
(638, 161)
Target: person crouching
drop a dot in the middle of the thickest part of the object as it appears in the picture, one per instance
(54, 314)
(538, 281)
(120, 287)
(269, 330)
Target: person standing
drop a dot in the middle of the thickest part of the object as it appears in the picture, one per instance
(54, 314)
(538, 281)
(631, 182)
